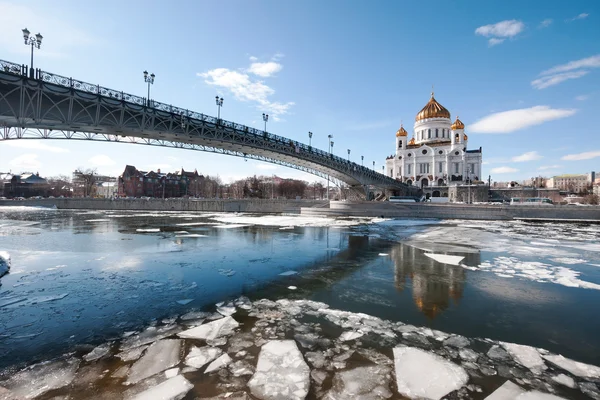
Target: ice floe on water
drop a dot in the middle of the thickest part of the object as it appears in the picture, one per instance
(281, 350)
(291, 221)
(5, 262)
(147, 230)
(445, 258)
(508, 267)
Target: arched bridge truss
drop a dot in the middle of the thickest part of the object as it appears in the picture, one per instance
(50, 106)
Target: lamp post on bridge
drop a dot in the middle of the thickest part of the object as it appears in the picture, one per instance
(309, 138)
(348, 155)
(373, 165)
(150, 80)
(362, 159)
(469, 183)
(34, 42)
(383, 169)
(330, 146)
(265, 118)
(219, 105)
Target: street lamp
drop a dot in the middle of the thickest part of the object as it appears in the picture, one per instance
(34, 42)
(309, 138)
(330, 145)
(219, 105)
(383, 169)
(348, 155)
(150, 80)
(265, 118)
(329, 137)
(469, 183)
(362, 159)
(373, 165)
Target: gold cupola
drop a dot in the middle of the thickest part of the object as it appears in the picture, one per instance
(432, 109)
(411, 142)
(458, 124)
(401, 132)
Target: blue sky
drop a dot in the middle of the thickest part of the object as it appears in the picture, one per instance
(524, 79)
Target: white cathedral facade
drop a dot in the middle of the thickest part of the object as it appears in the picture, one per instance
(437, 155)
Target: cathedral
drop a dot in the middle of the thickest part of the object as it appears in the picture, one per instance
(437, 155)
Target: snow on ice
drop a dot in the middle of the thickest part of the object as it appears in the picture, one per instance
(200, 356)
(576, 368)
(445, 258)
(422, 374)
(5, 262)
(281, 372)
(40, 378)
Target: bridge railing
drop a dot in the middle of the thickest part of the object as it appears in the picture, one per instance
(59, 80)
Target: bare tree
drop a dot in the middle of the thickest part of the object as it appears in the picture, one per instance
(84, 181)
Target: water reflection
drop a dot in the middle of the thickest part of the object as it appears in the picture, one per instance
(435, 286)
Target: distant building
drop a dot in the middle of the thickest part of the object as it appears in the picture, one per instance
(86, 183)
(437, 156)
(136, 183)
(572, 183)
(26, 185)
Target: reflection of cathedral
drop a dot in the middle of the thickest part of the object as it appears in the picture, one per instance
(434, 284)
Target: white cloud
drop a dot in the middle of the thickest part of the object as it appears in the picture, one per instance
(546, 23)
(265, 69)
(494, 41)
(551, 80)
(60, 34)
(246, 89)
(582, 97)
(513, 120)
(571, 70)
(102, 160)
(588, 62)
(34, 145)
(498, 32)
(26, 162)
(529, 156)
(581, 156)
(503, 170)
(580, 16)
(253, 59)
(547, 167)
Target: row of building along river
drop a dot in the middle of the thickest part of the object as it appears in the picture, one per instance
(175, 305)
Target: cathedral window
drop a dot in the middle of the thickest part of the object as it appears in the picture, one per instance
(440, 167)
(457, 137)
(399, 171)
(456, 168)
(408, 169)
(428, 133)
(436, 132)
(424, 168)
(399, 144)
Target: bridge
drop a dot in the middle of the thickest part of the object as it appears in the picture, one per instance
(42, 105)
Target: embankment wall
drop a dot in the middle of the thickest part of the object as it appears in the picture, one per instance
(209, 205)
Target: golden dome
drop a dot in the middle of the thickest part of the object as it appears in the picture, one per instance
(465, 137)
(433, 109)
(411, 142)
(458, 124)
(401, 132)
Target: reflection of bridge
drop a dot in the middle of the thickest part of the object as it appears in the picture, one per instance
(51, 106)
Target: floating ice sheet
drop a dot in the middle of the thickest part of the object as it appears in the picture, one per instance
(173, 389)
(508, 391)
(281, 372)
(364, 383)
(445, 258)
(200, 356)
(422, 374)
(288, 273)
(160, 356)
(212, 330)
(575, 367)
(219, 363)
(526, 356)
(147, 230)
(40, 378)
(5, 262)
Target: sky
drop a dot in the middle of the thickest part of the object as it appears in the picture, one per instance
(524, 77)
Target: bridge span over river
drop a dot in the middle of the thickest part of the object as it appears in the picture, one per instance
(42, 105)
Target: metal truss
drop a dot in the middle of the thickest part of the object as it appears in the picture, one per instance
(51, 106)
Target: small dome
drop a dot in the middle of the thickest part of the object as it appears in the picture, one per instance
(432, 109)
(401, 132)
(411, 142)
(458, 124)
(465, 137)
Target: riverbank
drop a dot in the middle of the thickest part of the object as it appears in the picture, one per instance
(589, 214)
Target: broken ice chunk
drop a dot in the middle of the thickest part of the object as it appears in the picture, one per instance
(132, 354)
(200, 356)
(281, 372)
(288, 273)
(160, 356)
(170, 373)
(508, 391)
(526, 356)
(576, 368)
(172, 389)
(564, 380)
(365, 383)
(97, 353)
(422, 374)
(184, 301)
(219, 363)
(41, 378)
(535, 395)
(350, 335)
(5, 262)
(211, 330)
(226, 310)
(292, 287)
(457, 341)
(445, 258)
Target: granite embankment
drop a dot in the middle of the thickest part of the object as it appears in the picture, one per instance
(458, 211)
(207, 205)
